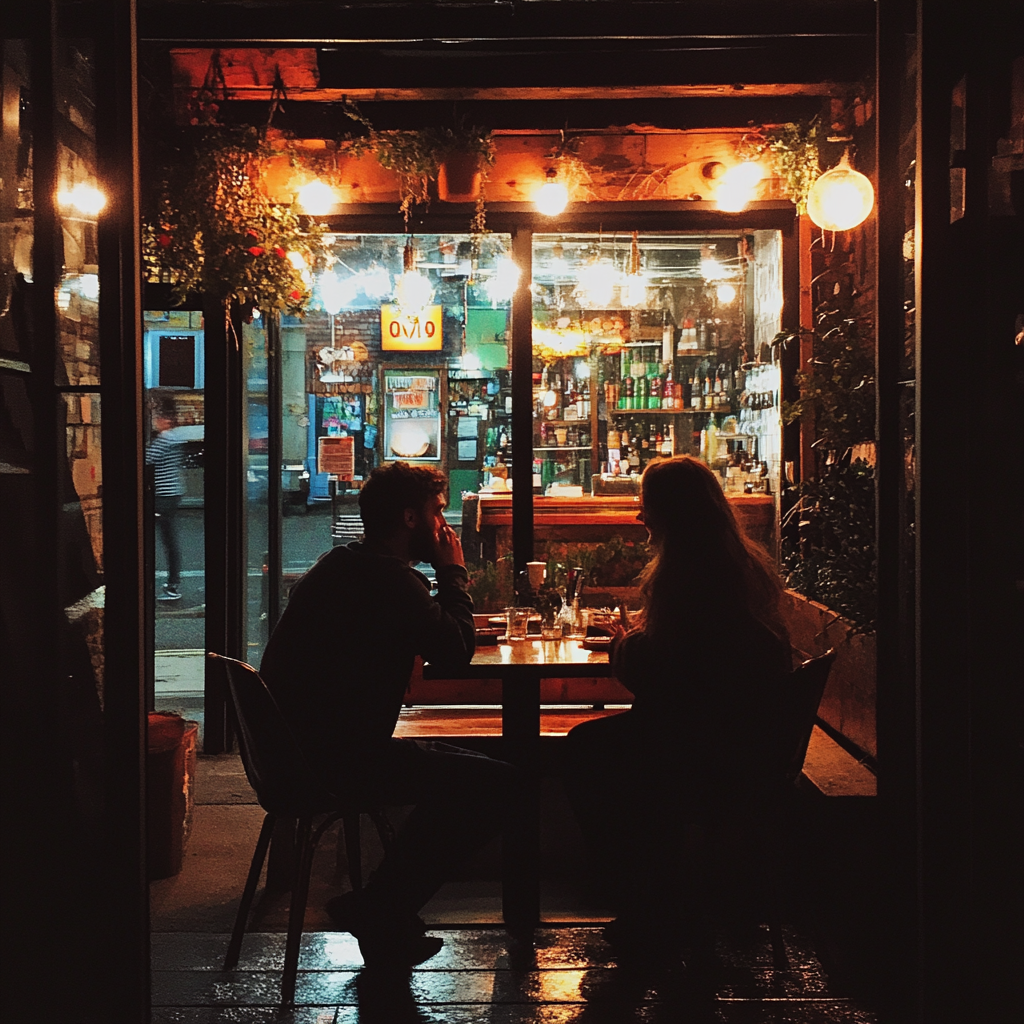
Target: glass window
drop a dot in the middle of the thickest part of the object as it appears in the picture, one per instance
(175, 442)
(403, 355)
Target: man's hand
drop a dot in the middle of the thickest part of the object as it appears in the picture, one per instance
(447, 548)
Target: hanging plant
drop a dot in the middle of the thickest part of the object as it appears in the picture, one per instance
(210, 227)
(417, 155)
(794, 152)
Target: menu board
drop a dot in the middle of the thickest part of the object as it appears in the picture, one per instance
(412, 414)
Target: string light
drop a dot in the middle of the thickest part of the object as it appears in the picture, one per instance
(413, 290)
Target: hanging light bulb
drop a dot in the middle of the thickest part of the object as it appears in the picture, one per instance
(597, 281)
(725, 293)
(738, 185)
(841, 198)
(335, 293)
(710, 268)
(414, 291)
(552, 197)
(317, 198)
(503, 281)
(634, 284)
(375, 283)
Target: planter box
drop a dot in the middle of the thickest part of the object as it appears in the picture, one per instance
(849, 702)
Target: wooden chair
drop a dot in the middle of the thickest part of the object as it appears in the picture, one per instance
(287, 787)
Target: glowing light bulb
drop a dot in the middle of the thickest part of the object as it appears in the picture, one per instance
(711, 269)
(634, 289)
(552, 197)
(503, 282)
(414, 291)
(725, 294)
(409, 441)
(317, 198)
(84, 198)
(841, 198)
(737, 186)
(597, 282)
(335, 293)
(375, 283)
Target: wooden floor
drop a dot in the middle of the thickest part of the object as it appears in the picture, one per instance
(569, 976)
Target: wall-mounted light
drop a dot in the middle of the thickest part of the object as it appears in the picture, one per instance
(552, 197)
(84, 198)
(738, 185)
(317, 198)
(841, 198)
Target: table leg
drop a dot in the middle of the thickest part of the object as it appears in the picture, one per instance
(520, 871)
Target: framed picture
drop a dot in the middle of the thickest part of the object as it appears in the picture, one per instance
(413, 403)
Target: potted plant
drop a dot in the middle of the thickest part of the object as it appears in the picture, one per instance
(462, 154)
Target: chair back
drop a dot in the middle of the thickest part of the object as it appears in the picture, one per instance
(802, 691)
(275, 765)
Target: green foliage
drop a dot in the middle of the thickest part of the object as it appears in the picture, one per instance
(839, 389)
(210, 226)
(614, 563)
(833, 558)
(416, 155)
(794, 150)
(490, 585)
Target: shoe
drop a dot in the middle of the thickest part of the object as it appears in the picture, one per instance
(382, 943)
(169, 594)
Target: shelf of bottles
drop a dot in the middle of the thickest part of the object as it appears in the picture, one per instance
(664, 364)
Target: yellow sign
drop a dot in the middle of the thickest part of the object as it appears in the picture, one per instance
(400, 332)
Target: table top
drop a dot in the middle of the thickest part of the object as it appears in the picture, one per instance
(550, 658)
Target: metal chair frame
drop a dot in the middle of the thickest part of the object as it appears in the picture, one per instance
(302, 797)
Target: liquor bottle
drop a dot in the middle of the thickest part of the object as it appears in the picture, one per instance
(659, 440)
(643, 393)
(628, 392)
(688, 393)
(655, 399)
(668, 395)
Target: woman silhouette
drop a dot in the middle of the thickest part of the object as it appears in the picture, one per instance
(703, 661)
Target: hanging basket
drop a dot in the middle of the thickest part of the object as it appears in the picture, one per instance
(459, 178)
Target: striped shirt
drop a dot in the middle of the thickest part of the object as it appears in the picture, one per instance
(165, 455)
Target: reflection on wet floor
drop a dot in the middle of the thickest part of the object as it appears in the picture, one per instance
(568, 976)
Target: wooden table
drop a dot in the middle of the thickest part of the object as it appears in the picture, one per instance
(520, 665)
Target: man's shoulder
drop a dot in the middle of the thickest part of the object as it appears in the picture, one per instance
(358, 560)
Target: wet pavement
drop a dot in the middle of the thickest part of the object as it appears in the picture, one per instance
(569, 976)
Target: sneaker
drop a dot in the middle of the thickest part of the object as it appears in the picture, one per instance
(169, 594)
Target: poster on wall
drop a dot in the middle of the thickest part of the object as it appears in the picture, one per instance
(412, 414)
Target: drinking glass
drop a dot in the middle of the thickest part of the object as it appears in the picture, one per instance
(517, 621)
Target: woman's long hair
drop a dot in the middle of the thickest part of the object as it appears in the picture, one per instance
(704, 566)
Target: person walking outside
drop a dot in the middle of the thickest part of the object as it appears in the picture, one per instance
(165, 454)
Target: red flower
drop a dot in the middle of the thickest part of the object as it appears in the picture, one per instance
(295, 295)
(255, 250)
(278, 251)
(164, 240)
(251, 234)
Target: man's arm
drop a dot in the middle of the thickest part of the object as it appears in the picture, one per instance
(442, 627)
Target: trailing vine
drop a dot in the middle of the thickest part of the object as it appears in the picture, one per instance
(794, 149)
(209, 225)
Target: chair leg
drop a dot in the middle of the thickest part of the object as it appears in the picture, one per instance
(242, 917)
(385, 830)
(296, 916)
(353, 850)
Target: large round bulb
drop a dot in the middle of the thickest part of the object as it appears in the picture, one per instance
(316, 198)
(551, 198)
(725, 294)
(84, 198)
(596, 284)
(335, 293)
(841, 198)
(503, 282)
